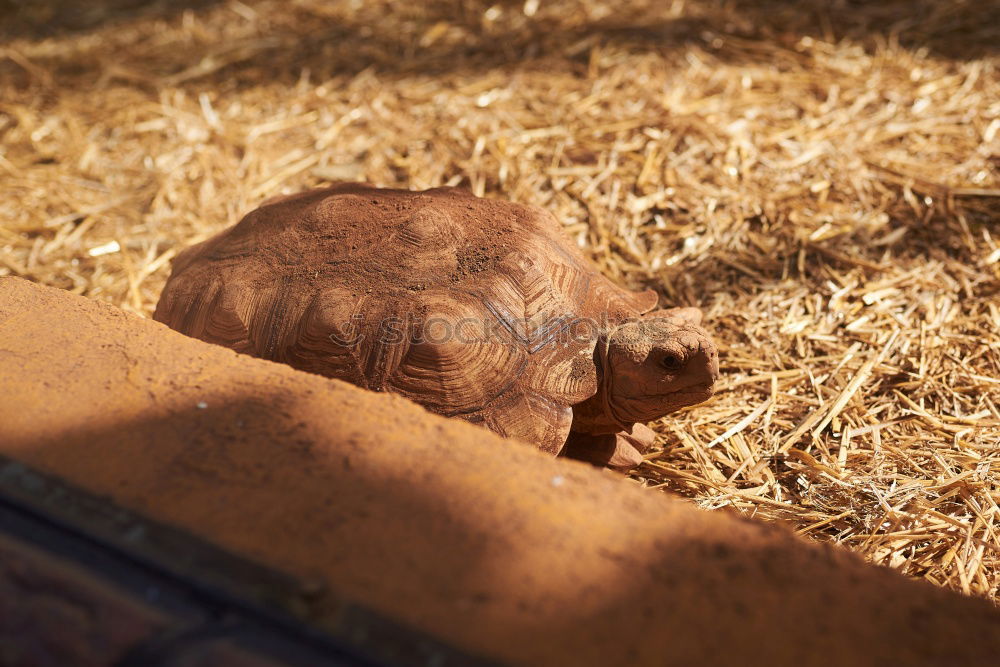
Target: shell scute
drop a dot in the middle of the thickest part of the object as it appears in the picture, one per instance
(457, 360)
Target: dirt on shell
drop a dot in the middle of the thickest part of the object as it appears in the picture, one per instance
(356, 236)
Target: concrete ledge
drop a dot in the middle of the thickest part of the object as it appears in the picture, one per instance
(485, 543)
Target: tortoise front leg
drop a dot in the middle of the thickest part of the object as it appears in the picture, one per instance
(618, 451)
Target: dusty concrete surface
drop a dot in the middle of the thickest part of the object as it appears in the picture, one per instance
(484, 542)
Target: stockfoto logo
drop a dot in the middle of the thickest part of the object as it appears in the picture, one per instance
(533, 333)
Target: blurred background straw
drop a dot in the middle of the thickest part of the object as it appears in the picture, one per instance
(822, 178)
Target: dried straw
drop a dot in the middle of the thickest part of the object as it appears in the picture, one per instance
(822, 178)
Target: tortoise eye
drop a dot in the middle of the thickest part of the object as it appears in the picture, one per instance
(671, 362)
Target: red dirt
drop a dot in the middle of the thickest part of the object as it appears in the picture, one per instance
(483, 542)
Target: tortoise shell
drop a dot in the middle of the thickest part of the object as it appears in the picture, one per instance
(470, 306)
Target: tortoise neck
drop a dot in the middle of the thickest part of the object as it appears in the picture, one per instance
(596, 415)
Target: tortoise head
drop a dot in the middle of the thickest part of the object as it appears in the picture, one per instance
(657, 364)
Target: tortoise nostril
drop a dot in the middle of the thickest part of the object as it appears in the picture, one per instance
(704, 365)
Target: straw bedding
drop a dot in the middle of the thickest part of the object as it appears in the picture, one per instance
(823, 179)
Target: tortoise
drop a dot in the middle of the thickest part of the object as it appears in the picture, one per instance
(476, 308)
